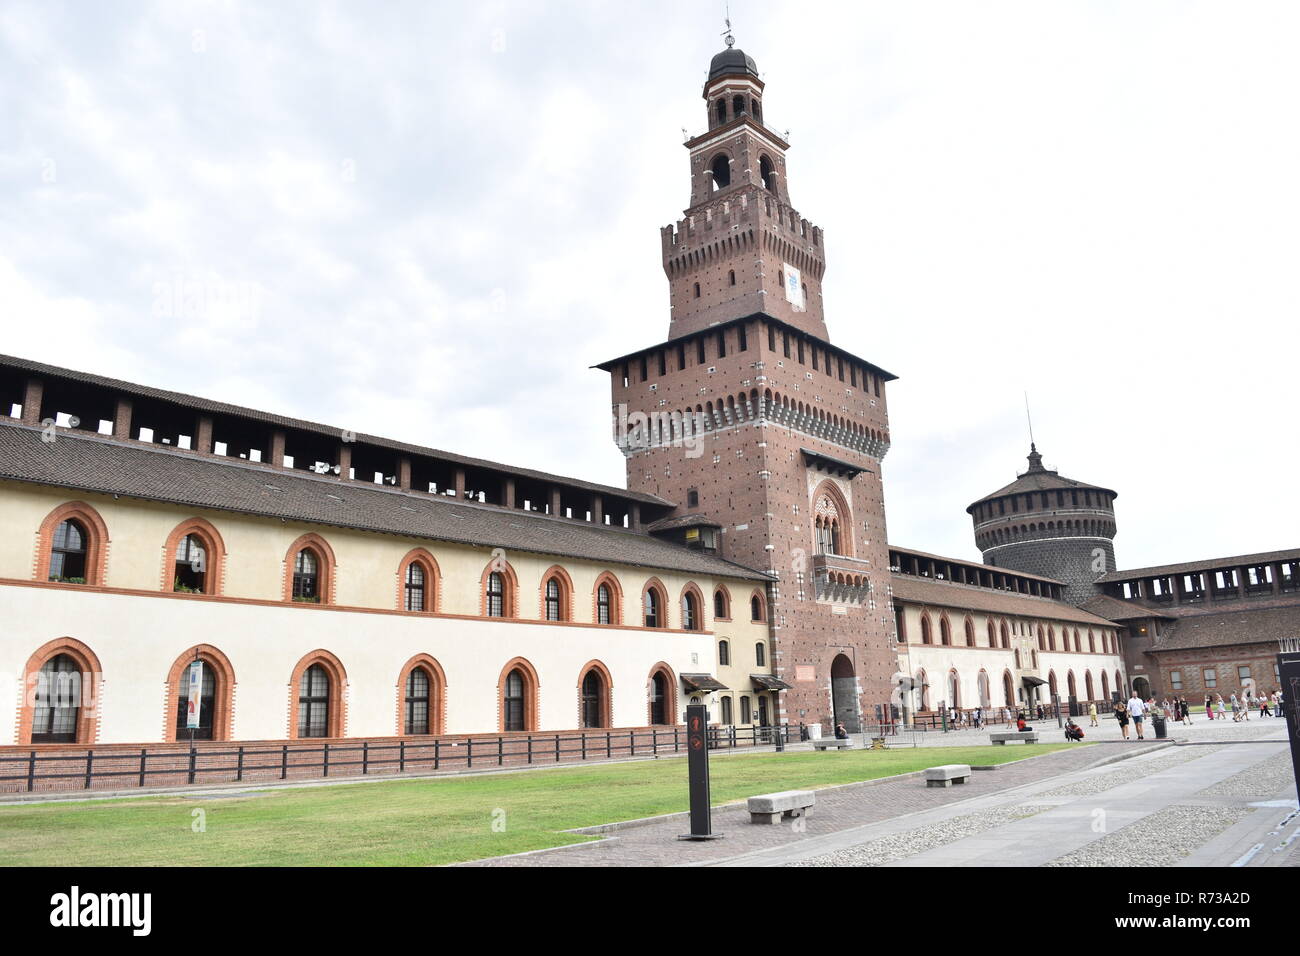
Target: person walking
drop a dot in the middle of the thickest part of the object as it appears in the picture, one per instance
(1092, 713)
(1220, 709)
(1185, 709)
(1121, 717)
(1263, 706)
(1137, 709)
(1236, 709)
(1209, 706)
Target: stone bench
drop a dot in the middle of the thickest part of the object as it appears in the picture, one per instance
(826, 743)
(773, 807)
(1001, 737)
(947, 775)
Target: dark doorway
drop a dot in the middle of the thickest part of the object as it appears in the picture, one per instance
(844, 694)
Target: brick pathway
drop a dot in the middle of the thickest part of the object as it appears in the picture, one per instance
(655, 843)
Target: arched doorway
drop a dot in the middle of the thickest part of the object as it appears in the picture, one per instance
(844, 694)
(1142, 687)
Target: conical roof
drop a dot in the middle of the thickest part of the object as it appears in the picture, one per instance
(1038, 478)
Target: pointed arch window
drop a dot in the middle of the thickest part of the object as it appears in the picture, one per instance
(68, 553)
(721, 608)
(760, 654)
(207, 704)
(724, 653)
(653, 608)
(602, 604)
(191, 565)
(756, 608)
(690, 612)
(306, 577)
(593, 692)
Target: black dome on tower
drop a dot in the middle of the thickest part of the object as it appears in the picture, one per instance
(732, 60)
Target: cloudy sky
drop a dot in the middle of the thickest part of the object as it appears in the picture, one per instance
(427, 220)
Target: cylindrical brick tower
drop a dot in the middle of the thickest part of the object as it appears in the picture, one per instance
(1044, 524)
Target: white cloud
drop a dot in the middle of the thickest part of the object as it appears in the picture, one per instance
(449, 213)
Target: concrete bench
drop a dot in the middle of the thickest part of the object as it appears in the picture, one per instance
(826, 743)
(1001, 737)
(773, 807)
(947, 775)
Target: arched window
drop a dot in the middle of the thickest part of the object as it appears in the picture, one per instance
(495, 595)
(57, 705)
(1105, 686)
(191, 565)
(654, 606)
(206, 704)
(602, 604)
(314, 702)
(690, 612)
(306, 577)
(68, 553)
(724, 653)
(970, 633)
(553, 599)
(756, 608)
(593, 693)
(215, 700)
(731, 277)
(722, 110)
(925, 630)
(697, 290)
(767, 173)
(945, 632)
(737, 105)
(721, 167)
(513, 701)
(415, 597)
(417, 702)
(954, 690)
(660, 699)
(721, 606)
(744, 713)
(985, 698)
(726, 711)
(760, 654)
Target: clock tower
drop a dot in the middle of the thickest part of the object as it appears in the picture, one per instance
(766, 436)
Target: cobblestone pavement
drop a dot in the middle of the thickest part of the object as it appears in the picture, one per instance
(1117, 803)
(838, 809)
(1107, 729)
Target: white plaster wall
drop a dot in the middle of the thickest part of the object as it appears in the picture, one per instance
(137, 639)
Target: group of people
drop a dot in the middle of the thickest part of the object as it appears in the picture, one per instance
(1136, 711)
(1268, 705)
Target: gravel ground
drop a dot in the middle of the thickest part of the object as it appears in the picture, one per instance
(900, 846)
(1161, 839)
(1126, 774)
(1263, 781)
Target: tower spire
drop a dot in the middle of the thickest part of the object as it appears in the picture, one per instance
(727, 38)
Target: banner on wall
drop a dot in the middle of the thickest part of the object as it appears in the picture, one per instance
(793, 287)
(196, 696)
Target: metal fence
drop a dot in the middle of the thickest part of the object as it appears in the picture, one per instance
(115, 767)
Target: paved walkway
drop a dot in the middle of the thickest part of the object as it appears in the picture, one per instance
(1230, 800)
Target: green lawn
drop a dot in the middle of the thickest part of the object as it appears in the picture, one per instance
(430, 820)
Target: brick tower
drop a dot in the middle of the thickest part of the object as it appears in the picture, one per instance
(1044, 524)
(766, 436)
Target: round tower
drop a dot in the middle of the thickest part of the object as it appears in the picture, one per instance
(1051, 526)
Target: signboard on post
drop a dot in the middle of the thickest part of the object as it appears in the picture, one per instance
(697, 768)
(1288, 667)
(196, 696)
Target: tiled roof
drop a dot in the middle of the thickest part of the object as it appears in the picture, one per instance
(966, 597)
(1038, 478)
(1113, 609)
(252, 414)
(1209, 564)
(1010, 572)
(90, 464)
(1259, 626)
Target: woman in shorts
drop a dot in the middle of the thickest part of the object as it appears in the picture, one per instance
(1121, 715)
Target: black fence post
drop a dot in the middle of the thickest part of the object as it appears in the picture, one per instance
(401, 755)
(284, 761)
(469, 753)
(365, 757)
(609, 745)
(530, 748)
(584, 746)
(193, 756)
(144, 753)
(90, 758)
(501, 751)
(654, 741)
(631, 736)
(31, 772)
(557, 748)
(239, 771)
(326, 765)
